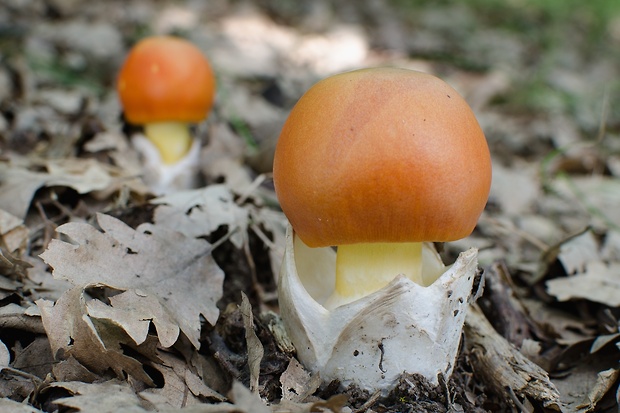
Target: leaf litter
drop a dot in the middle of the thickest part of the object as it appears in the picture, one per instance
(113, 300)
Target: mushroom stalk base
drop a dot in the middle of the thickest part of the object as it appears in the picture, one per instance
(172, 139)
(370, 342)
(163, 178)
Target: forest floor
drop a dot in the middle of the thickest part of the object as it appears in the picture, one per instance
(79, 331)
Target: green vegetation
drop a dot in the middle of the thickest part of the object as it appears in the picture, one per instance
(538, 42)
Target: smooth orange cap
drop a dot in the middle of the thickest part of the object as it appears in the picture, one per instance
(165, 79)
(382, 155)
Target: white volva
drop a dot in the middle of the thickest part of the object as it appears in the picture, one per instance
(403, 327)
(164, 178)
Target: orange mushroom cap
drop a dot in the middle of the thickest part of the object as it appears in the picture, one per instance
(382, 155)
(166, 79)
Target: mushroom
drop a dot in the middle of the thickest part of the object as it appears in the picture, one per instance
(166, 84)
(377, 162)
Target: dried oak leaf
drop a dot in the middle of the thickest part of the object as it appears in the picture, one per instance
(114, 396)
(599, 283)
(21, 318)
(199, 212)
(134, 312)
(589, 275)
(171, 277)
(111, 396)
(18, 183)
(72, 333)
(182, 387)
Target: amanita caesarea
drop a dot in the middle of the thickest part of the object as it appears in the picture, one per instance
(166, 84)
(379, 163)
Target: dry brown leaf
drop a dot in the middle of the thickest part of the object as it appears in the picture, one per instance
(599, 283)
(569, 328)
(108, 397)
(585, 386)
(255, 347)
(18, 184)
(181, 386)
(13, 231)
(335, 404)
(14, 237)
(589, 277)
(275, 223)
(21, 318)
(246, 401)
(5, 356)
(134, 313)
(114, 396)
(515, 189)
(598, 195)
(199, 212)
(36, 358)
(71, 370)
(602, 341)
(152, 260)
(610, 251)
(297, 382)
(39, 283)
(72, 333)
(576, 252)
(9, 406)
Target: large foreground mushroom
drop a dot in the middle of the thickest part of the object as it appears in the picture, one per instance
(377, 162)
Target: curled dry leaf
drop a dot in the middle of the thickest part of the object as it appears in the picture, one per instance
(21, 318)
(589, 275)
(18, 183)
(154, 261)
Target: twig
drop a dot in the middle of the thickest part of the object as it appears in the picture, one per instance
(258, 181)
(369, 403)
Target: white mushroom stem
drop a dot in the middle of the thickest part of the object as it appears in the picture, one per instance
(362, 269)
(172, 139)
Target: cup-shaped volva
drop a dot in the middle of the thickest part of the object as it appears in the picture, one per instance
(370, 342)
